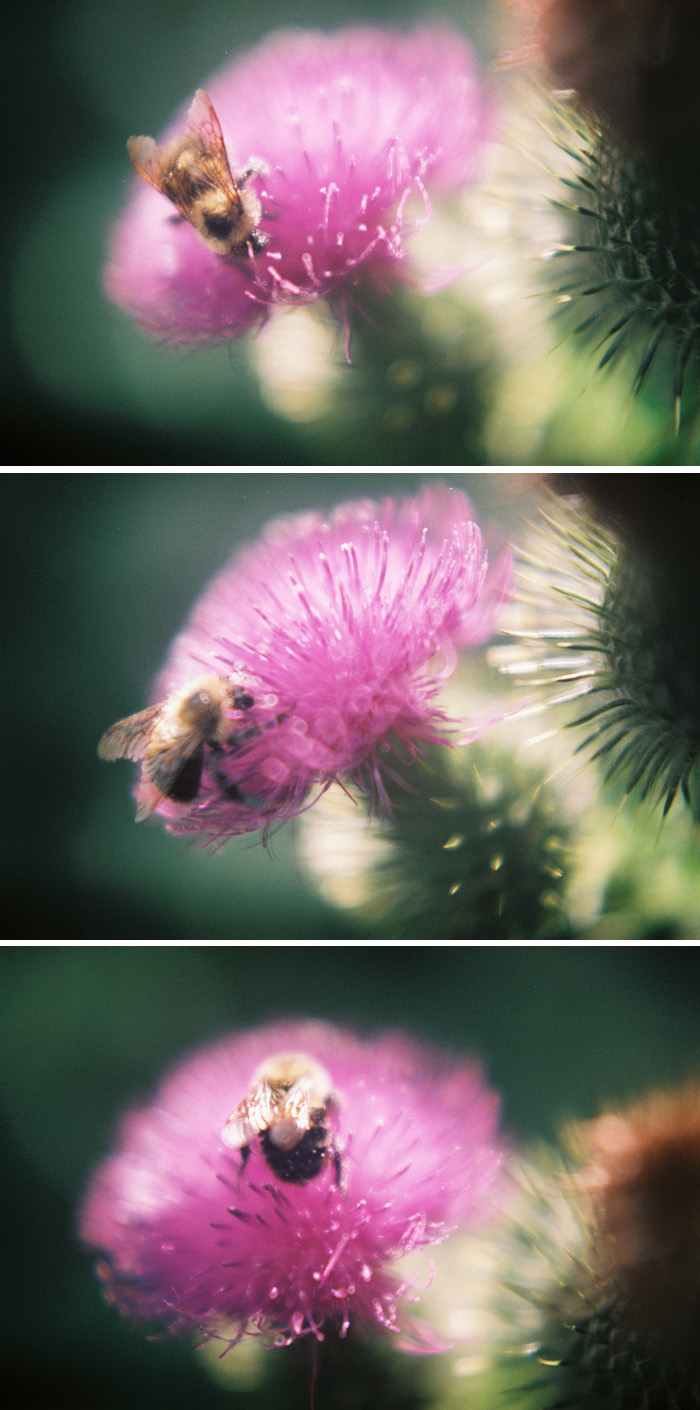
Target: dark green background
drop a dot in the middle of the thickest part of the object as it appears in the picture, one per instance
(86, 1030)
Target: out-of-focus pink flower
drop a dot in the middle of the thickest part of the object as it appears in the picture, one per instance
(351, 127)
(193, 1235)
(633, 64)
(641, 1172)
(342, 632)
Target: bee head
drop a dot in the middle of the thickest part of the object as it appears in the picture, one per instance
(199, 709)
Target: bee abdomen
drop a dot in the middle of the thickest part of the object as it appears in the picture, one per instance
(300, 1164)
(184, 787)
(220, 227)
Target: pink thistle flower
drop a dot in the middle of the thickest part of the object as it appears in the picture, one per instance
(339, 635)
(633, 64)
(198, 1232)
(349, 127)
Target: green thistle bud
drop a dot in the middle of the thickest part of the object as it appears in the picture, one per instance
(625, 123)
(421, 376)
(612, 628)
(627, 272)
(477, 847)
(606, 1249)
(585, 1292)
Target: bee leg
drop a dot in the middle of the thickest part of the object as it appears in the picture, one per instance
(245, 1157)
(225, 786)
(254, 168)
(257, 241)
(242, 700)
(337, 1166)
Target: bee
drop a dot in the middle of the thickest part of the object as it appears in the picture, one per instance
(170, 740)
(194, 173)
(287, 1107)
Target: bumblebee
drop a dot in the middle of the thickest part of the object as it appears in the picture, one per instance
(194, 173)
(172, 740)
(287, 1110)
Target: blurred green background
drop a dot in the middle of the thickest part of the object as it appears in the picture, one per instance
(465, 377)
(86, 1030)
(100, 572)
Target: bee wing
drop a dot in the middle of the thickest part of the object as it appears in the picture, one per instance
(203, 125)
(294, 1115)
(250, 1117)
(147, 799)
(204, 131)
(129, 738)
(146, 156)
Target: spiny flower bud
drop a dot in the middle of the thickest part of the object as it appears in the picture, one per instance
(611, 628)
(423, 370)
(477, 845)
(626, 273)
(584, 1291)
(604, 1248)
